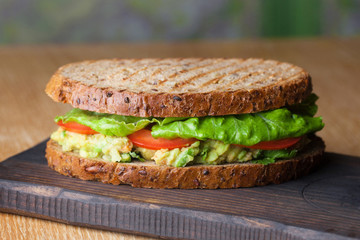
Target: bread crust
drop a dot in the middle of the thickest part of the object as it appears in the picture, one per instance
(149, 175)
(266, 94)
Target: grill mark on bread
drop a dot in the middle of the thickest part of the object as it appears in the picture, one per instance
(260, 72)
(185, 71)
(291, 76)
(158, 70)
(168, 67)
(190, 69)
(240, 69)
(272, 75)
(180, 84)
(124, 69)
(199, 60)
(254, 73)
(217, 79)
(144, 68)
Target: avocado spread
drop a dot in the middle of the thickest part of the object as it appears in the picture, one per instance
(209, 152)
(113, 149)
(119, 149)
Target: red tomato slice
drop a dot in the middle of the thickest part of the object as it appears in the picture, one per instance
(76, 127)
(143, 138)
(273, 145)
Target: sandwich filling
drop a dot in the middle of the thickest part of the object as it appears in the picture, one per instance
(262, 137)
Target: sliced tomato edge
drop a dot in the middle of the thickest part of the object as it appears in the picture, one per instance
(83, 130)
(145, 137)
(263, 145)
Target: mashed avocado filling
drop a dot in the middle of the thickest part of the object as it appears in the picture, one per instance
(119, 149)
(209, 152)
(113, 149)
(216, 134)
(212, 152)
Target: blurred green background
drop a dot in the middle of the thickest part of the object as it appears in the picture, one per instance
(55, 21)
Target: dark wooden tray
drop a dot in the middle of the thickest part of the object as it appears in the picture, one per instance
(323, 205)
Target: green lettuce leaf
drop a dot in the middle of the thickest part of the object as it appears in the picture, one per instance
(307, 107)
(107, 124)
(270, 156)
(137, 156)
(246, 129)
(111, 124)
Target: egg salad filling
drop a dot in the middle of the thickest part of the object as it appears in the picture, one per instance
(209, 152)
(113, 149)
(121, 149)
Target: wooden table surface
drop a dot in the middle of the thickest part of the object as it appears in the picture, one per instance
(26, 113)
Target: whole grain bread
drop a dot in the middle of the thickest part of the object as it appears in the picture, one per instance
(179, 87)
(149, 175)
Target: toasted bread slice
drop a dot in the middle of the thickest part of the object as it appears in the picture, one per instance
(149, 175)
(177, 87)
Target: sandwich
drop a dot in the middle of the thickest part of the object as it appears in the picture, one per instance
(185, 122)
